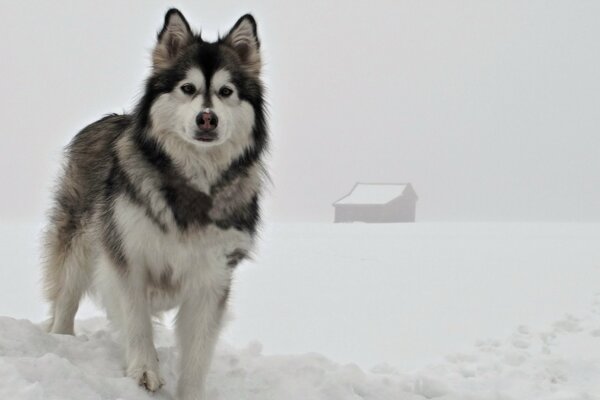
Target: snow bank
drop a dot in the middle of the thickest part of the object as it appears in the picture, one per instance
(37, 365)
(559, 362)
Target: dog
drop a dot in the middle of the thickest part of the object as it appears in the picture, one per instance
(155, 208)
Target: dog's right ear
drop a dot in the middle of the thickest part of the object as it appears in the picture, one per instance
(172, 39)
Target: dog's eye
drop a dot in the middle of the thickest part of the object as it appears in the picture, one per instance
(188, 88)
(225, 91)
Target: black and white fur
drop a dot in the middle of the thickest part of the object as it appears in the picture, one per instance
(154, 212)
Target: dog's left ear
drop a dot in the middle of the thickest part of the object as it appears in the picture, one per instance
(244, 40)
(173, 38)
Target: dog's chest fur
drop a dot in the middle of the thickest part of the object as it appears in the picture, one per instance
(183, 234)
(173, 261)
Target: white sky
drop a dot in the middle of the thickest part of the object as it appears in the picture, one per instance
(489, 108)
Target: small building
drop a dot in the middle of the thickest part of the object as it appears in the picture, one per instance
(377, 202)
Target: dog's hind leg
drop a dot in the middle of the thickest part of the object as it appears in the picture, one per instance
(66, 278)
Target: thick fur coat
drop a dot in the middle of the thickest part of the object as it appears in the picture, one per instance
(156, 208)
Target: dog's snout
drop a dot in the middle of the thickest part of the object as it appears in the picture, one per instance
(207, 120)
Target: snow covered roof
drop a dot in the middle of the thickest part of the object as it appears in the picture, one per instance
(373, 193)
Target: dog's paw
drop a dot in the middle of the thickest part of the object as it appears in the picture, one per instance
(147, 378)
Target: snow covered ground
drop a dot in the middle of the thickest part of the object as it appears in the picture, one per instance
(449, 311)
(559, 362)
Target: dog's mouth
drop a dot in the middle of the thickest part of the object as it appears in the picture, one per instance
(206, 136)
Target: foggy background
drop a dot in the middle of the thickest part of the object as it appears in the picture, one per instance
(490, 109)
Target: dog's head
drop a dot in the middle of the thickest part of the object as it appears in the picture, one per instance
(205, 93)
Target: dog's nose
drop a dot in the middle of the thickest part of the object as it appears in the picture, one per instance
(207, 120)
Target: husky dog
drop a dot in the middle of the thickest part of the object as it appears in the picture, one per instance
(156, 208)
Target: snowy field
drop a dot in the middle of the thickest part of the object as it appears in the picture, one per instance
(446, 310)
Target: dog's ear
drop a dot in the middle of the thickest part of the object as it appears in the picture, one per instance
(172, 39)
(244, 40)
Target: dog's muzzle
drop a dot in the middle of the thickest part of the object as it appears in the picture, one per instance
(207, 122)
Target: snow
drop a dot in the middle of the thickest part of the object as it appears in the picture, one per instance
(373, 193)
(561, 361)
(407, 311)
(409, 293)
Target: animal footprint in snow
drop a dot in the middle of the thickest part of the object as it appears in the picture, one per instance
(521, 338)
(488, 346)
(548, 338)
(569, 324)
(521, 343)
(523, 329)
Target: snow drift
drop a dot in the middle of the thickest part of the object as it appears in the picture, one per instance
(559, 362)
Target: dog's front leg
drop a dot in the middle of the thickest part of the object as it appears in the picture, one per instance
(136, 320)
(198, 325)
